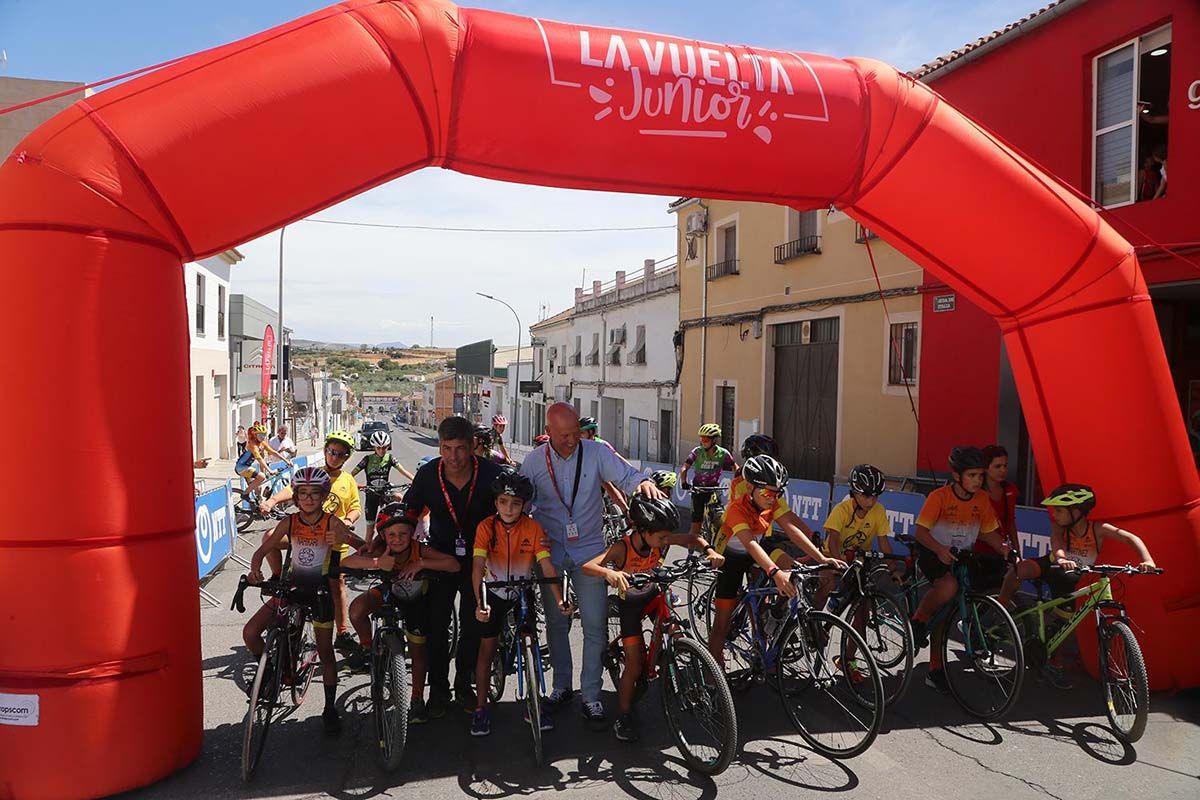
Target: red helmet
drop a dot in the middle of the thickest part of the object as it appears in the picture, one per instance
(393, 513)
(499, 419)
(541, 438)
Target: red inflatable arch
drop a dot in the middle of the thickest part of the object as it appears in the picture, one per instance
(99, 207)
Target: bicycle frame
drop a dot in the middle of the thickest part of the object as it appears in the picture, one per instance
(1098, 596)
(514, 654)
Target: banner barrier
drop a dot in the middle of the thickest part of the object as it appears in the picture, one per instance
(214, 529)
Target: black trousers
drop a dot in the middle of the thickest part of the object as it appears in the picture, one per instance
(442, 592)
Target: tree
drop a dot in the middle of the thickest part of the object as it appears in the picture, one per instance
(386, 363)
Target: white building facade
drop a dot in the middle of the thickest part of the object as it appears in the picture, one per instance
(207, 289)
(612, 355)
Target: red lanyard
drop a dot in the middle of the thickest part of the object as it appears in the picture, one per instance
(446, 494)
(554, 480)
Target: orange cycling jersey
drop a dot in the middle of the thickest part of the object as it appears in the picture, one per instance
(638, 562)
(743, 515)
(510, 552)
(739, 487)
(955, 522)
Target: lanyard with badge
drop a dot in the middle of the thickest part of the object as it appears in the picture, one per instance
(460, 544)
(572, 528)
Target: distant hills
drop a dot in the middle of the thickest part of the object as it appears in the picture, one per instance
(312, 344)
(392, 344)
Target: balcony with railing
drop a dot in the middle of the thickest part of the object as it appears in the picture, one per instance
(805, 245)
(723, 268)
(653, 278)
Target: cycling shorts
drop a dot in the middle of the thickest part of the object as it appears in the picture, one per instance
(699, 501)
(931, 566)
(250, 472)
(414, 612)
(320, 606)
(371, 504)
(632, 610)
(500, 607)
(1061, 582)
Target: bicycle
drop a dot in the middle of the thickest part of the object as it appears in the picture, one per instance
(247, 506)
(1122, 667)
(390, 691)
(801, 647)
(695, 690)
(879, 618)
(615, 524)
(518, 652)
(289, 656)
(701, 587)
(981, 645)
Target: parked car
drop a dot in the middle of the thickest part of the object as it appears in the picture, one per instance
(368, 428)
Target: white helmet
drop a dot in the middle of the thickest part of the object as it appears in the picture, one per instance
(381, 439)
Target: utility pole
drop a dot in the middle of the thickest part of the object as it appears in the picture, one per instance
(279, 337)
(431, 331)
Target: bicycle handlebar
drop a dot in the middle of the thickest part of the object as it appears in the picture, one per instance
(272, 587)
(1116, 569)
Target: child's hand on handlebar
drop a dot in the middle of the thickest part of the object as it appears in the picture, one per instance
(836, 563)
(618, 580)
(783, 582)
(483, 614)
(715, 559)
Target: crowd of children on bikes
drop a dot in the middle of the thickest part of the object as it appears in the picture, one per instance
(756, 541)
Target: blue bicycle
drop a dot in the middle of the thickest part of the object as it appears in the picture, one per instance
(808, 655)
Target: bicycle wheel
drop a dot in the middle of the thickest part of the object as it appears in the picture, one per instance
(390, 698)
(499, 667)
(838, 718)
(264, 696)
(533, 700)
(983, 657)
(699, 707)
(1126, 687)
(452, 631)
(614, 659)
(242, 514)
(881, 622)
(742, 662)
(702, 591)
(304, 655)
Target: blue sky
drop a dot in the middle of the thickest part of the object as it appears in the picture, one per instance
(383, 280)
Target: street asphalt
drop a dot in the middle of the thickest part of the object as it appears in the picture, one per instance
(1052, 744)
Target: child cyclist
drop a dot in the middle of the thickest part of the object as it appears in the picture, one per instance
(954, 516)
(404, 559)
(707, 462)
(747, 521)
(859, 522)
(655, 523)
(379, 466)
(312, 537)
(507, 544)
(252, 463)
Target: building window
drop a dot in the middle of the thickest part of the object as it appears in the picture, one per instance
(593, 359)
(902, 354)
(616, 339)
(861, 234)
(639, 438)
(220, 312)
(802, 237)
(725, 408)
(1131, 85)
(595, 412)
(638, 354)
(199, 304)
(727, 253)
(577, 356)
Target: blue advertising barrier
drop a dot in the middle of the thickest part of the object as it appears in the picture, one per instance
(1033, 531)
(214, 532)
(809, 500)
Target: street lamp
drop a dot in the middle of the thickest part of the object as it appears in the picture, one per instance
(513, 381)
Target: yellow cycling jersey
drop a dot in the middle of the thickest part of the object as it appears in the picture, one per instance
(857, 533)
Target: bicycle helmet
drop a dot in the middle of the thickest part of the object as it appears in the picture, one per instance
(664, 479)
(649, 514)
(513, 483)
(341, 436)
(968, 457)
(259, 429)
(866, 479)
(393, 513)
(588, 424)
(381, 439)
(1072, 495)
(709, 429)
(759, 444)
(499, 419)
(311, 476)
(766, 472)
(541, 438)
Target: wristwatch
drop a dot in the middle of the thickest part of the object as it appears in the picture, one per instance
(772, 573)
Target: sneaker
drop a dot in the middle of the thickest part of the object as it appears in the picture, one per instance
(546, 723)
(852, 672)
(624, 728)
(417, 713)
(936, 679)
(345, 643)
(920, 632)
(358, 661)
(436, 708)
(481, 722)
(593, 712)
(331, 718)
(558, 697)
(1056, 676)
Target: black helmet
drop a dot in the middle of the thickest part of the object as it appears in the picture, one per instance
(868, 480)
(481, 432)
(653, 515)
(511, 482)
(965, 458)
(766, 472)
(393, 513)
(759, 444)
(587, 424)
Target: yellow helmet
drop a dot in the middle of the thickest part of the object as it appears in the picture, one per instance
(709, 429)
(343, 437)
(259, 429)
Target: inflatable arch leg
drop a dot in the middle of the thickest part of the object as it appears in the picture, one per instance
(100, 206)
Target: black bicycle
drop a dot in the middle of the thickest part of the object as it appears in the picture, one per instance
(247, 504)
(289, 660)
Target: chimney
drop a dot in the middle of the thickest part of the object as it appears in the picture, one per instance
(595, 288)
(578, 295)
(648, 269)
(620, 279)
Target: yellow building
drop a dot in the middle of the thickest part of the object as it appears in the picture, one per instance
(788, 336)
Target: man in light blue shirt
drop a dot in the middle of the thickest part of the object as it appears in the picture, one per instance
(568, 474)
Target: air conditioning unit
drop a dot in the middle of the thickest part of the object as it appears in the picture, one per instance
(617, 336)
(697, 222)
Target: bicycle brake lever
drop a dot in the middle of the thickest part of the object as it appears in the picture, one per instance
(238, 603)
